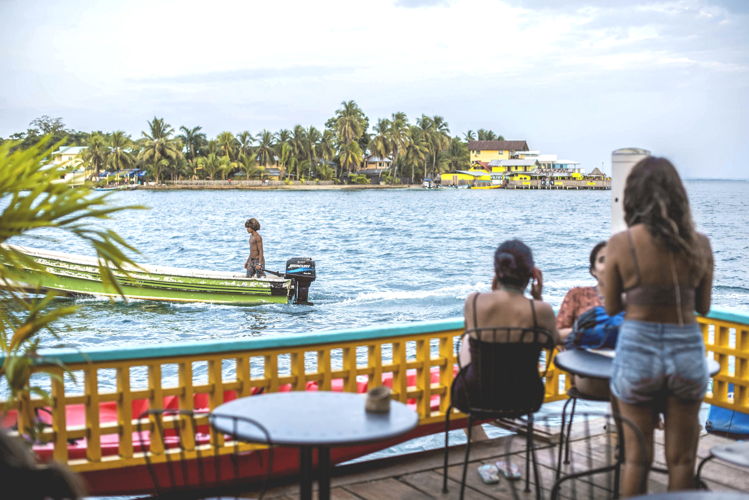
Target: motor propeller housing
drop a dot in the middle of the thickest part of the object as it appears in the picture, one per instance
(302, 271)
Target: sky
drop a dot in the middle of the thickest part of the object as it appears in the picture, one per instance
(576, 78)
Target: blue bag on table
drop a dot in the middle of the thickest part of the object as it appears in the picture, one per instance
(594, 329)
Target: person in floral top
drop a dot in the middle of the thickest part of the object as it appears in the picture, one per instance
(582, 298)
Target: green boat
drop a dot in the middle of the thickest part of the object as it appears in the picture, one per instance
(79, 275)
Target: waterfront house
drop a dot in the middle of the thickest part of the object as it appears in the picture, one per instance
(483, 152)
(512, 165)
(552, 162)
(271, 173)
(473, 177)
(596, 174)
(71, 157)
(374, 162)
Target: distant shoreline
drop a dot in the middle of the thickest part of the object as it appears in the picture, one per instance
(283, 187)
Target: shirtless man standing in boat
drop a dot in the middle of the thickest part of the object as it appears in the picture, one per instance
(256, 261)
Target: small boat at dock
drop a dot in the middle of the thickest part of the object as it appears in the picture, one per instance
(79, 275)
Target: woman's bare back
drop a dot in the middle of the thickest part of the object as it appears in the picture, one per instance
(637, 263)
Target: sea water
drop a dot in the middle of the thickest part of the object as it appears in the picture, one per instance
(383, 256)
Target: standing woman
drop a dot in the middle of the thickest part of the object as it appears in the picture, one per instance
(659, 271)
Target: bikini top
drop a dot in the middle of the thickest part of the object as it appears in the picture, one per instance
(658, 295)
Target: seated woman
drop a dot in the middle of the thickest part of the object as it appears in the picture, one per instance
(504, 308)
(582, 298)
(577, 301)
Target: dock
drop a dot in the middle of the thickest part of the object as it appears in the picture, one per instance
(419, 475)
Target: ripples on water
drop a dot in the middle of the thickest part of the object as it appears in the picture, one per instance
(382, 256)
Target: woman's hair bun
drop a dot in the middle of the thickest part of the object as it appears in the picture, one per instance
(513, 263)
(505, 261)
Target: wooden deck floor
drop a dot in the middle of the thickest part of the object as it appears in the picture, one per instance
(419, 476)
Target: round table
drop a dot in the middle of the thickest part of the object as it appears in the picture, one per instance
(599, 366)
(594, 365)
(312, 419)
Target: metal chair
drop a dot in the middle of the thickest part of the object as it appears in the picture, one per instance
(502, 381)
(188, 462)
(573, 394)
(597, 450)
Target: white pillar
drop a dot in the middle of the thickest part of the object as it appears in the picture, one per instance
(622, 161)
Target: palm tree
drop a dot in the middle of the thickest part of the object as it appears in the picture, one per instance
(470, 135)
(211, 147)
(248, 164)
(283, 136)
(298, 142)
(245, 141)
(416, 152)
(265, 151)
(284, 150)
(95, 154)
(228, 145)
(311, 146)
(33, 200)
(379, 145)
(456, 155)
(192, 138)
(489, 135)
(212, 165)
(120, 156)
(398, 137)
(436, 131)
(325, 172)
(226, 166)
(350, 156)
(159, 148)
(326, 147)
(284, 153)
(350, 122)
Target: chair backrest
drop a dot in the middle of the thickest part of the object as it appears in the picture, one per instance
(184, 459)
(503, 376)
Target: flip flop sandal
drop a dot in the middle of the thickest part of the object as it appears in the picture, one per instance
(488, 473)
(508, 470)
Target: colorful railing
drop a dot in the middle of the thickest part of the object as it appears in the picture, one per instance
(112, 387)
(726, 335)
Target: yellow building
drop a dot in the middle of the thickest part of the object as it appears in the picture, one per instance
(513, 165)
(272, 173)
(71, 157)
(485, 151)
(468, 178)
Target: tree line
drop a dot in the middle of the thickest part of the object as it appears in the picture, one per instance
(415, 151)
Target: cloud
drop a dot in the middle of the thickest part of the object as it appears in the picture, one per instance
(549, 71)
(415, 4)
(251, 74)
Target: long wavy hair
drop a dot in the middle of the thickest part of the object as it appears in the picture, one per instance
(655, 196)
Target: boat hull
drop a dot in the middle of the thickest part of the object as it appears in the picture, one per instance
(77, 275)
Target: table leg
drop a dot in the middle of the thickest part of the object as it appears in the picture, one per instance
(305, 471)
(323, 461)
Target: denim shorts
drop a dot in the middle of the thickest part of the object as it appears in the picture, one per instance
(655, 360)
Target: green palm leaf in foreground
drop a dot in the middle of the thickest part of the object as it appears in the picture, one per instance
(34, 199)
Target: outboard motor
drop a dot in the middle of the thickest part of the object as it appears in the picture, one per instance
(302, 271)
